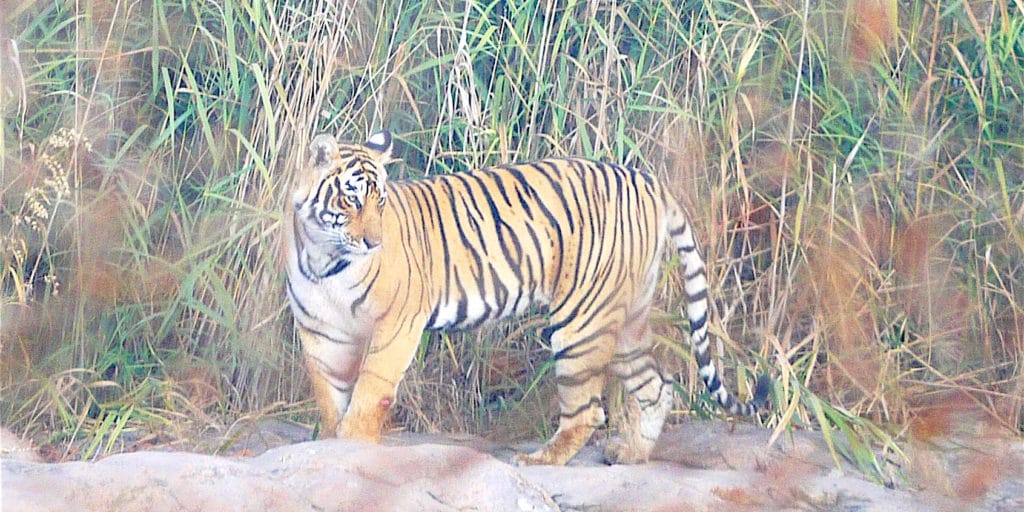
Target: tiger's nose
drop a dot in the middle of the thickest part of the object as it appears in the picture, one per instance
(371, 243)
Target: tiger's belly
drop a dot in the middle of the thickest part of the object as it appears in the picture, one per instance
(469, 310)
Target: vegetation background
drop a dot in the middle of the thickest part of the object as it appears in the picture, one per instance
(855, 170)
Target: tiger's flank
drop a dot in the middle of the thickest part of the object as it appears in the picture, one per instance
(372, 264)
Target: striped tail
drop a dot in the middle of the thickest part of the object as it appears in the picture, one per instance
(696, 285)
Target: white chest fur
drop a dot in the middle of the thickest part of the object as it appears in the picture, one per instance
(335, 307)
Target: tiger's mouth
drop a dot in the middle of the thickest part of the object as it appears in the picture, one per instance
(358, 247)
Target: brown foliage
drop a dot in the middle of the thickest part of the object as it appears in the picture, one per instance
(842, 296)
(872, 30)
(199, 383)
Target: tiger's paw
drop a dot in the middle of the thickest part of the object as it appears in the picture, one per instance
(537, 458)
(559, 450)
(549, 455)
(621, 452)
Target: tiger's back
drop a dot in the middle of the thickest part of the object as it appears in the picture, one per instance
(373, 264)
(494, 242)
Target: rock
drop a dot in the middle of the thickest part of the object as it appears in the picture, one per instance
(145, 481)
(325, 475)
(700, 465)
(13, 447)
(653, 486)
(347, 475)
(781, 483)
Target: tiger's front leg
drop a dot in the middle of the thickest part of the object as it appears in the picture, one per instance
(389, 355)
(333, 366)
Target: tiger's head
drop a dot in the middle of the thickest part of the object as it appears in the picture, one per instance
(338, 205)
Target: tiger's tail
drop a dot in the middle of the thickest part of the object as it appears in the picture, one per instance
(696, 286)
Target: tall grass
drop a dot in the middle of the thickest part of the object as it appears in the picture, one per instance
(854, 169)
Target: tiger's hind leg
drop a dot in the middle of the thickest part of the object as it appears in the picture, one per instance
(648, 395)
(581, 363)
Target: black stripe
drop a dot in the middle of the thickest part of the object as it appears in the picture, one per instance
(512, 254)
(635, 200)
(579, 378)
(496, 178)
(632, 390)
(712, 383)
(342, 264)
(300, 251)
(544, 168)
(699, 271)
(572, 414)
(582, 269)
(523, 202)
(567, 351)
(319, 194)
(430, 200)
(320, 364)
(701, 295)
(433, 317)
(552, 222)
(366, 292)
(697, 323)
(512, 249)
(646, 367)
(462, 305)
(298, 303)
(323, 335)
(501, 292)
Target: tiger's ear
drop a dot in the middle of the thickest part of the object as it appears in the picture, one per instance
(381, 144)
(323, 149)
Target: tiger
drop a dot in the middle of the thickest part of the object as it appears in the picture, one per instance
(373, 263)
